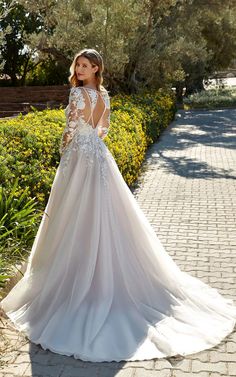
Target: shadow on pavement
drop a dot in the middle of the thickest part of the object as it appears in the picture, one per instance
(193, 128)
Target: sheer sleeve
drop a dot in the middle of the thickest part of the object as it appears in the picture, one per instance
(73, 113)
(105, 124)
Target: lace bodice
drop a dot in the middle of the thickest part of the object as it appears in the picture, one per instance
(87, 123)
(87, 108)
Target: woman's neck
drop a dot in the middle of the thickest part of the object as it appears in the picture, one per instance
(90, 84)
(89, 87)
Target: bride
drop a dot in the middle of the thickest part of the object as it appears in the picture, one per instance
(99, 284)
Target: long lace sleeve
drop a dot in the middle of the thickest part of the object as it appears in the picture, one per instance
(105, 124)
(73, 113)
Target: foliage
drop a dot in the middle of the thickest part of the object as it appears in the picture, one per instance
(127, 142)
(212, 98)
(17, 217)
(19, 220)
(157, 110)
(29, 150)
(4, 11)
(5, 272)
(29, 145)
(190, 40)
(15, 54)
(72, 25)
(145, 44)
(47, 72)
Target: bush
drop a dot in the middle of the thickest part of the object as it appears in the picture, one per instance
(212, 98)
(158, 110)
(29, 150)
(47, 72)
(29, 145)
(17, 216)
(127, 142)
(19, 220)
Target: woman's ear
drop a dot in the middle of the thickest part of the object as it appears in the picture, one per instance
(95, 69)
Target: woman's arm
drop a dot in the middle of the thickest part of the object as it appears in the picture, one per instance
(75, 98)
(103, 129)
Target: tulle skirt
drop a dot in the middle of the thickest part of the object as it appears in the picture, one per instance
(99, 284)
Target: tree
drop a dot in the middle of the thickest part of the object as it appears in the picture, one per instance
(69, 26)
(3, 13)
(190, 41)
(145, 43)
(15, 54)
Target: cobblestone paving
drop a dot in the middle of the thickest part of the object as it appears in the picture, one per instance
(188, 192)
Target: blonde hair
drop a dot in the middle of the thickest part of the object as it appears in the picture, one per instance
(96, 60)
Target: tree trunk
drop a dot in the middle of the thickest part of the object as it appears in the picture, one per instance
(194, 85)
(25, 70)
(14, 80)
(179, 92)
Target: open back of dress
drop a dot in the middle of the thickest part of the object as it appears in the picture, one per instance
(95, 107)
(89, 107)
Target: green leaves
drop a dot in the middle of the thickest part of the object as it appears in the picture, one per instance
(17, 215)
(212, 98)
(19, 220)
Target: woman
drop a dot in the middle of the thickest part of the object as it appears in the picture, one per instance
(99, 284)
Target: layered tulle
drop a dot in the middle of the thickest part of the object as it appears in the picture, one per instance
(99, 284)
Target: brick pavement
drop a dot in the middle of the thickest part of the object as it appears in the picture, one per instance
(188, 192)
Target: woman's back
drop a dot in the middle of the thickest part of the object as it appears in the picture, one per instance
(87, 108)
(90, 104)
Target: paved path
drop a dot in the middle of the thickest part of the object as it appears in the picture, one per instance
(188, 192)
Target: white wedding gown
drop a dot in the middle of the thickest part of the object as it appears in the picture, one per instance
(99, 284)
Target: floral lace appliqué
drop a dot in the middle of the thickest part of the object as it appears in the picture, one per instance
(87, 142)
(83, 137)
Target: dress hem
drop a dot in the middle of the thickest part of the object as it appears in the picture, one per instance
(81, 357)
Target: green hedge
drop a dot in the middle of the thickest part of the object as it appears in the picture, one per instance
(29, 145)
(211, 99)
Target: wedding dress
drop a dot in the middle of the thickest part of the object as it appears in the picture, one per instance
(99, 284)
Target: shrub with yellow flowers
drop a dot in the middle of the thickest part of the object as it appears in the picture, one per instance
(29, 145)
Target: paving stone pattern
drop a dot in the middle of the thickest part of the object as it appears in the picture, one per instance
(187, 190)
